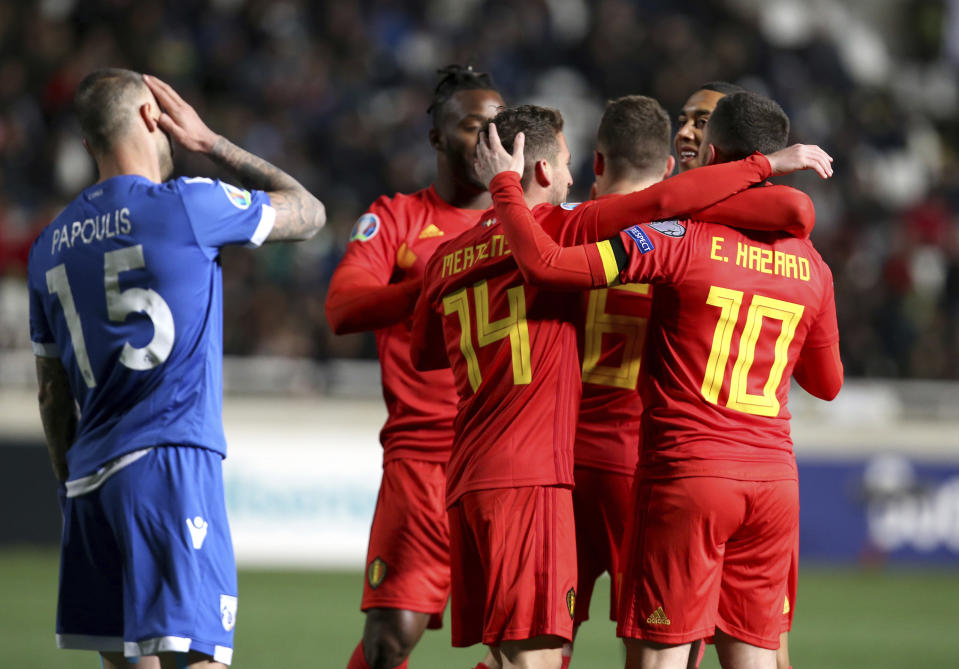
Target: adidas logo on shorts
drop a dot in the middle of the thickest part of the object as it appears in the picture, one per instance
(658, 617)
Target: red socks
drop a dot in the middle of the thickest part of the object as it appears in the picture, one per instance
(358, 660)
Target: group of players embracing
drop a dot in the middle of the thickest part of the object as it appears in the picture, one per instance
(571, 389)
(575, 389)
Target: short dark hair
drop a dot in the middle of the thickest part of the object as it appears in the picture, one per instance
(540, 125)
(101, 104)
(723, 87)
(456, 78)
(746, 122)
(634, 136)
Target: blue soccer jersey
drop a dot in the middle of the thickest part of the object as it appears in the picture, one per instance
(126, 289)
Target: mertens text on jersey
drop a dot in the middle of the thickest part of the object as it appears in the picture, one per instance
(464, 258)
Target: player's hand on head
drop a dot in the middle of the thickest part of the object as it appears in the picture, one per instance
(179, 119)
(493, 158)
(801, 157)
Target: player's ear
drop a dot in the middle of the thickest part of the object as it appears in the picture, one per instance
(670, 166)
(710, 156)
(599, 163)
(543, 173)
(146, 114)
(436, 139)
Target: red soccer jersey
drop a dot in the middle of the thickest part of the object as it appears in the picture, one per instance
(393, 241)
(611, 332)
(734, 310)
(512, 348)
(612, 322)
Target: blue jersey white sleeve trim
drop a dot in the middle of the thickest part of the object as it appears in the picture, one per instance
(264, 227)
(45, 350)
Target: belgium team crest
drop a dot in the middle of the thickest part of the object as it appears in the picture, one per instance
(376, 572)
(571, 601)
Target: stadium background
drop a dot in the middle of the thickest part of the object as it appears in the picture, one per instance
(336, 94)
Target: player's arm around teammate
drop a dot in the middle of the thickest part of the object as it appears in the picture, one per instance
(545, 263)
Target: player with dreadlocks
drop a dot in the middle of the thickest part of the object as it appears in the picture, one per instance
(375, 288)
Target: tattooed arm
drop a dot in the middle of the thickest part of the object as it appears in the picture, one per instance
(298, 214)
(58, 412)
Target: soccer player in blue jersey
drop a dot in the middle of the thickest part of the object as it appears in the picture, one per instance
(126, 322)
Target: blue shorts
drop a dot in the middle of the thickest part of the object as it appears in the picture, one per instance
(147, 560)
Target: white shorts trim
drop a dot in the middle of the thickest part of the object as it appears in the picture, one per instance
(106, 644)
(223, 654)
(163, 644)
(264, 227)
(86, 484)
(171, 644)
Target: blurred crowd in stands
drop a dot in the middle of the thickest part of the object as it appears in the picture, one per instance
(336, 93)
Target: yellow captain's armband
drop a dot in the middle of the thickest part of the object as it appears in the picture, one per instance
(609, 262)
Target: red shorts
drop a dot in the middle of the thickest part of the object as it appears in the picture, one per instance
(408, 561)
(513, 553)
(708, 552)
(601, 504)
(789, 603)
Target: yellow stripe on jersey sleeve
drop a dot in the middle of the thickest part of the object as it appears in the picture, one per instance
(609, 262)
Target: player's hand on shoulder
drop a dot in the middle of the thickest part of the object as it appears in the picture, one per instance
(493, 158)
(801, 157)
(179, 119)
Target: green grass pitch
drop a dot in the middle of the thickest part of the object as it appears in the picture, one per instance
(892, 618)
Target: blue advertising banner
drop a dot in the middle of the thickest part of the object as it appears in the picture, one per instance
(884, 508)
